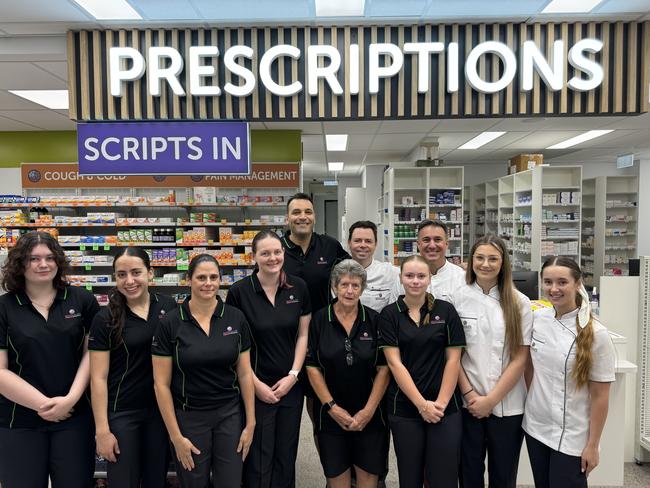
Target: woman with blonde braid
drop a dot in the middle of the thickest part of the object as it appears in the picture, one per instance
(572, 369)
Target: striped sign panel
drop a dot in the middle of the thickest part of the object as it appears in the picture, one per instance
(625, 59)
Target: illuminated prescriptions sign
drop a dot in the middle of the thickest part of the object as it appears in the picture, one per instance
(161, 64)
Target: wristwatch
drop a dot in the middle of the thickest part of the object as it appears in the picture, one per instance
(294, 372)
(328, 406)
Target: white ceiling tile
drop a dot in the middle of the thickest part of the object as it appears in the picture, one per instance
(311, 157)
(13, 125)
(9, 101)
(631, 122)
(359, 142)
(45, 119)
(407, 126)
(384, 156)
(41, 28)
(26, 76)
(464, 125)
(43, 11)
(349, 127)
(57, 68)
(538, 140)
(397, 142)
(312, 143)
(257, 126)
(305, 127)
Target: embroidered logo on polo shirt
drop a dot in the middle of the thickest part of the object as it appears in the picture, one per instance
(230, 331)
(321, 260)
(292, 300)
(162, 314)
(436, 320)
(72, 314)
(365, 337)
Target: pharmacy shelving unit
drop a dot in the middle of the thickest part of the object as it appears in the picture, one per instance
(506, 229)
(414, 194)
(547, 209)
(492, 207)
(610, 226)
(478, 210)
(467, 219)
(172, 225)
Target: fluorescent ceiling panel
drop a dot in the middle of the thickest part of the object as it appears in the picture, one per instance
(54, 99)
(587, 136)
(481, 140)
(339, 8)
(336, 142)
(570, 6)
(335, 166)
(109, 9)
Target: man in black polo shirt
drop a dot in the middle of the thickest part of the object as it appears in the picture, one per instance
(309, 255)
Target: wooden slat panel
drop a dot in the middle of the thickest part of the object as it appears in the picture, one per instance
(176, 101)
(455, 109)
(591, 96)
(428, 35)
(550, 39)
(361, 109)
(415, 71)
(482, 70)
(523, 32)
(373, 97)
(227, 75)
(645, 67)
(537, 37)
(604, 87)
(347, 100)
(308, 98)
(335, 107)
(294, 74)
(321, 81)
(148, 42)
(72, 76)
(467, 108)
(281, 80)
(164, 106)
(631, 74)
(98, 74)
(137, 86)
(618, 68)
(564, 93)
(387, 81)
(400, 81)
(269, 98)
(495, 69)
(510, 97)
(85, 78)
(577, 99)
(256, 92)
(124, 102)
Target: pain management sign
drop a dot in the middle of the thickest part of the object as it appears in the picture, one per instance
(164, 148)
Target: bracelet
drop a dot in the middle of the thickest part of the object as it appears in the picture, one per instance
(468, 392)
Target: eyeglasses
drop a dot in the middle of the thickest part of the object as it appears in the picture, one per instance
(349, 358)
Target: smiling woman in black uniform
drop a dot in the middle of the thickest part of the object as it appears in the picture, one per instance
(422, 339)
(278, 309)
(129, 430)
(349, 375)
(202, 370)
(45, 421)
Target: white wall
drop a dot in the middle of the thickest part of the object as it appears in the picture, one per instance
(345, 182)
(10, 182)
(644, 208)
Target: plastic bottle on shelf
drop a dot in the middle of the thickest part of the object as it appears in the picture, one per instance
(595, 301)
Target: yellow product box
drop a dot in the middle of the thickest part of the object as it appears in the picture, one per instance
(225, 234)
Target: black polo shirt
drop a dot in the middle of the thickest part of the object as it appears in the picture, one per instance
(315, 266)
(130, 374)
(350, 385)
(274, 328)
(422, 350)
(204, 371)
(46, 354)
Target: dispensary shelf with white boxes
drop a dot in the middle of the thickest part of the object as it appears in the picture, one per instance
(172, 226)
(609, 236)
(414, 194)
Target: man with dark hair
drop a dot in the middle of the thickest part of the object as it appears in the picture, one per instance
(309, 255)
(432, 244)
(381, 276)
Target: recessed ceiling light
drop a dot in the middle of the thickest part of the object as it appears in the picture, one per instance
(587, 136)
(481, 140)
(339, 8)
(109, 9)
(570, 6)
(54, 99)
(335, 166)
(336, 142)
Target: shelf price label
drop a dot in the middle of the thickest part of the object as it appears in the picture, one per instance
(95, 247)
(182, 267)
(88, 267)
(89, 287)
(82, 247)
(107, 247)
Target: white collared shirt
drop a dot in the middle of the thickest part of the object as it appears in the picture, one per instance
(486, 355)
(447, 279)
(381, 278)
(557, 412)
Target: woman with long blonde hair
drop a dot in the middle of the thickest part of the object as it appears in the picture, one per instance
(572, 369)
(497, 321)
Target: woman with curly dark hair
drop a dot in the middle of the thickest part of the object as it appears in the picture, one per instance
(46, 425)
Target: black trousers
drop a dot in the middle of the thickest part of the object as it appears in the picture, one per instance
(63, 451)
(553, 469)
(426, 451)
(144, 452)
(216, 434)
(271, 461)
(501, 438)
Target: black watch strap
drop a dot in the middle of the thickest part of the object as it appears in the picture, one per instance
(328, 406)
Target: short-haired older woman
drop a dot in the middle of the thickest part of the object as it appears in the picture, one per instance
(349, 375)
